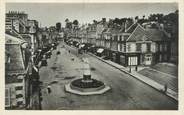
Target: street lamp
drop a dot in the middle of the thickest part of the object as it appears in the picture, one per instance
(130, 65)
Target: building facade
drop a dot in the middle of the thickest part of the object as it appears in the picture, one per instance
(17, 73)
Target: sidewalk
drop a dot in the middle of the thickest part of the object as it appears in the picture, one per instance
(140, 77)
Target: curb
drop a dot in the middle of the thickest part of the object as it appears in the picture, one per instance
(125, 71)
(98, 92)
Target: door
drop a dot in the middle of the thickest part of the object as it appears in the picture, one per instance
(148, 59)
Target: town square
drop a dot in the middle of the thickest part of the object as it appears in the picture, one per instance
(91, 56)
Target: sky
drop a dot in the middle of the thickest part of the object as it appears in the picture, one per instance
(48, 14)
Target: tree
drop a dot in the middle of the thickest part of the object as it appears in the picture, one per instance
(67, 20)
(117, 21)
(58, 26)
(156, 17)
(143, 16)
(68, 24)
(137, 17)
(76, 22)
(94, 21)
(103, 20)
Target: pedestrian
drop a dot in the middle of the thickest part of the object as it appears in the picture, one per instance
(165, 88)
(72, 59)
(136, 68)
(49, 89)
(68, 51)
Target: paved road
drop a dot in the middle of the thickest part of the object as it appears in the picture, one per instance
(127, 93)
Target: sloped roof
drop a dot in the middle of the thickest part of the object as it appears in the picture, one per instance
(9, 39)
(138, 34)
(13, 48)
(131, 28)
(13, 33)
(16, 64)
(122, 30)
(107, 30)
(115, 30)
(141, 34)
(156, 35)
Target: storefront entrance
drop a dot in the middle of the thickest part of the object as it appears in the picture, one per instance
(148, 59)
(133, 60)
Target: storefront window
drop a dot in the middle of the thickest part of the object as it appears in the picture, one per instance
(132, 61)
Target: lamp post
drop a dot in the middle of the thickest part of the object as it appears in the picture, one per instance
(130, 64)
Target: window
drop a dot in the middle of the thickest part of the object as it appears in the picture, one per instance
(120, 38)
(161, 47)
(7, 58)
(19, 95)
(7, 97)
(160, 57)
(19, 80)
(165, 47)
(143, 47)
(18, 88)
(19, 103)
(148, 47)
(128, 47)
(148, 58)
(115, 38)
(138, 46)
(124, 48)
(119, 48)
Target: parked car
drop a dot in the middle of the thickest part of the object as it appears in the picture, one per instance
(48, 54)
(44, 61)
(75, 43)
(87, 46)
(54, 46)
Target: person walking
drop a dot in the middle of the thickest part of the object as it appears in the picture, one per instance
(49, 89)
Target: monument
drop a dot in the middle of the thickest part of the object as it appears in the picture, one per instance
(86, 85)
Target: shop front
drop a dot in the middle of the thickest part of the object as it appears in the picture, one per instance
(132, 59)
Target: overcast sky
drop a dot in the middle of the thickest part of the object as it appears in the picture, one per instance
(49, 13)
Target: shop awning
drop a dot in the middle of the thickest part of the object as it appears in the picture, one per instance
(100, 50)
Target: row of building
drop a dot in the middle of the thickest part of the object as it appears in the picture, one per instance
(130, 43)
(23, 38)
